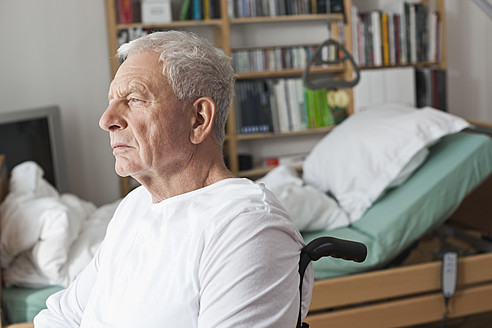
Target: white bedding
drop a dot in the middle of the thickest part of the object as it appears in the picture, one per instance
(309, 208)
(47, 238)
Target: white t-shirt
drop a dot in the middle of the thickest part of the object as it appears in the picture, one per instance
(222, 256)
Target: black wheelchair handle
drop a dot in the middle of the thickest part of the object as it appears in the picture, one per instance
(323, 247)
(338, 248)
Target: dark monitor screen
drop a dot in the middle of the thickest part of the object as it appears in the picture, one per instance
(34, 135)
(28, 141)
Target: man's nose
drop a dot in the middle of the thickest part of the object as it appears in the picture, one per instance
(112, 118)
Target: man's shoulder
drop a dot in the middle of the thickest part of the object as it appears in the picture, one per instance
(248, 204)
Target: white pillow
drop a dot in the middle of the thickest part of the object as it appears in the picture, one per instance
(309, 208)
(373, 150)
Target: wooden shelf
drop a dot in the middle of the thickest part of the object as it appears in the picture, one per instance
(289, 18)
(419, 64)
(290, 72)
(253, 136)
(186, 23)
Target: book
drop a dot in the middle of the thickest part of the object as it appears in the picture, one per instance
(397, 38)
(367, 33)
(292, 103)
(273, 106)
(440, 86)
(206, 9)
(301, 104)
(430, 88)
(432, 48)
(282, 106)
(317, 120)
(125, 11)
(361, 42)
(385, 38)
(391, 39)
(421, 32)
(411, 32)
(355, 33)
(423, 87)
(375, 23)
(196, 9)
(156, 11)
(185, 9)
(324, 108)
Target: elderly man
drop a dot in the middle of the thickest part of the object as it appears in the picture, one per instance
(193, 246)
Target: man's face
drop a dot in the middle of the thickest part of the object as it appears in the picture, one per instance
(149, 128)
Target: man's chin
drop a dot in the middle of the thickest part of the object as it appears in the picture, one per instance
(122, 171)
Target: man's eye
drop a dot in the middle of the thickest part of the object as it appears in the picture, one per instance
(135, 100)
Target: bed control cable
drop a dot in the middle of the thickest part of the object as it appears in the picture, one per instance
(449, 278)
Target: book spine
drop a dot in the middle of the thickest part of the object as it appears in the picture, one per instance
(293, 105)
(397, 39)
(310, 110)
(206, 9)
(125, 11)
(185, 8)
(385, 38)
(355, 33)
(283, 115)
(391, 39)
(376, 38)
(326, 116)
(196, 13)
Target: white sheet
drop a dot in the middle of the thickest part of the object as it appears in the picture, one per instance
(46, 238)
(309, 208)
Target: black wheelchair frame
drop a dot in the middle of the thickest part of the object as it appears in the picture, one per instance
(323, 247)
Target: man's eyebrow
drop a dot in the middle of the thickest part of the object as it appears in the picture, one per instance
(123, 92)
(136, 86)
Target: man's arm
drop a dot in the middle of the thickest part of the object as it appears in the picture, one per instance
(66, 308)
(249, 274)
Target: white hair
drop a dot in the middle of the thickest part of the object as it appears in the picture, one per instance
(193, 67)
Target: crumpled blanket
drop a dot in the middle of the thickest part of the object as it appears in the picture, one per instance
(47, 238)
(309, 208)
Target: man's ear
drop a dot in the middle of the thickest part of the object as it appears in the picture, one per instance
(202, 120)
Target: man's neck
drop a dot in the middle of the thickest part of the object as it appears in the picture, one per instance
(201, 171)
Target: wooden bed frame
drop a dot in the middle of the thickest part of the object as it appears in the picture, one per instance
(411, 294)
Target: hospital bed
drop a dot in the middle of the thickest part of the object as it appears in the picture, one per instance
(378, 293)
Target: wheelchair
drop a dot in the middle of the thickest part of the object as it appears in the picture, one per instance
(323, 247)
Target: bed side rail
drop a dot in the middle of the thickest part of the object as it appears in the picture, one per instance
(480, 127)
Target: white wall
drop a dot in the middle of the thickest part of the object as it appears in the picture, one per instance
(469, 52)
(55, 52)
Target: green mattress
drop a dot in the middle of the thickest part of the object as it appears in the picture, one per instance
(22, 304)
(456, 165)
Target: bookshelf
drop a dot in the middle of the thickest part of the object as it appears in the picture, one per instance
(415, 45)
(223, 30)
(426, 36)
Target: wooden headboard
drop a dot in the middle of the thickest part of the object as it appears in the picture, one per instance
(3, 178)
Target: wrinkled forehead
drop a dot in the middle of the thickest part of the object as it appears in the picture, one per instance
(142, 70)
